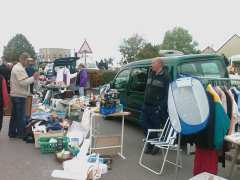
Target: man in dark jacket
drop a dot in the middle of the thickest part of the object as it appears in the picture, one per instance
(154, 113)
(31, 69)
(5, 71)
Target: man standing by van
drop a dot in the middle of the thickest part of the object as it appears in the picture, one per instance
(154, 113)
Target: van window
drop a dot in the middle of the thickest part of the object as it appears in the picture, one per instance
(213, 68)
(188, 69)
(121, 80)
(138, 79)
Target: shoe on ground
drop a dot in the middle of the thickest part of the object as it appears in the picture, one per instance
(148, 149)
(155, 150)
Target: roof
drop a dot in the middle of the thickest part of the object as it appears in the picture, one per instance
(234, 36)
(66, 59)
(173, 59)
(208, 49)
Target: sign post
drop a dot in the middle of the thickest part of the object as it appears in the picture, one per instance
(85, 49)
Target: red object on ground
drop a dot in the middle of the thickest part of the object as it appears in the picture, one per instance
(5, 93)
(206, 160)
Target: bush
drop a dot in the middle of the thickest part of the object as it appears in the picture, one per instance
(100, 77)
(106, 76)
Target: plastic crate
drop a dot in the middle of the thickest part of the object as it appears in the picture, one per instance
(46, 147)
(107, 110)
(53, 134)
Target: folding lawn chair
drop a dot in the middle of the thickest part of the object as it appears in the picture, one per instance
(166, 141)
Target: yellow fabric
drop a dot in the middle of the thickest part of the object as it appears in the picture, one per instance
(216, 97)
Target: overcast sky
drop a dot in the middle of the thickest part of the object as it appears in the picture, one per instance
(104, 23)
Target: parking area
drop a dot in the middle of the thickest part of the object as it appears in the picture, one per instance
(21, 161)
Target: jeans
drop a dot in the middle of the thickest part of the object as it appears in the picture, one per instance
(152, 117)
(18, 117)
(1, 116)
(81, 91)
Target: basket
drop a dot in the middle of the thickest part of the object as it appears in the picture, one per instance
(46, 147)
(37, 135)
(107, 110)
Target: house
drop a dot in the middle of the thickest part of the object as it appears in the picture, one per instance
(50, 54)
(208, 50)
(231, 47)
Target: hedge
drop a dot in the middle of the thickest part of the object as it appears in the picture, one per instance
(100, 77)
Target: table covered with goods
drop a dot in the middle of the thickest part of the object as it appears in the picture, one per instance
(64, 124)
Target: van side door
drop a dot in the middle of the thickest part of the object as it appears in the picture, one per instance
(136, 90)
(120, 83)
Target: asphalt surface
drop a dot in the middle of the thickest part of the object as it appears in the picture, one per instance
(21, 161)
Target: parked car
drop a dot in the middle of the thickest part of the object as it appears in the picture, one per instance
(69, 62)
(48, 70)
(131, 80)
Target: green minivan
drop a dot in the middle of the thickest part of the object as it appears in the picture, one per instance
(131, 80)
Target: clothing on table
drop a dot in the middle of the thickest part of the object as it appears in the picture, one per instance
(222, 121)
(63, 76)
(3, 98)
(20, 82)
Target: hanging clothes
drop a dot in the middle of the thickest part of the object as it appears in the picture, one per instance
(236, 96)
(222, 121)
(222, 97)
(205, 161)
(229, 102)
(3, 98)
(63, 76)
(235, 115)
(205, 138)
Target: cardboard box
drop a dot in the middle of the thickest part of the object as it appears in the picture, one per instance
(28, 107)
(105, 141)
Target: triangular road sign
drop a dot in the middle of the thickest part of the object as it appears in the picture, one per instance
(85, 48)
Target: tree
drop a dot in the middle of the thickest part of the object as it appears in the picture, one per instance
(148, 51)
(104, 63)
(179, 39)
(17, 45)
(131, 47)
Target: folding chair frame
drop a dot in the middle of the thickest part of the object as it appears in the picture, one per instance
(164, 147)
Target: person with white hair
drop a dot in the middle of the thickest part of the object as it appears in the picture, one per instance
(20, 89)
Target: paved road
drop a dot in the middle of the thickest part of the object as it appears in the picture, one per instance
(21, 161)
